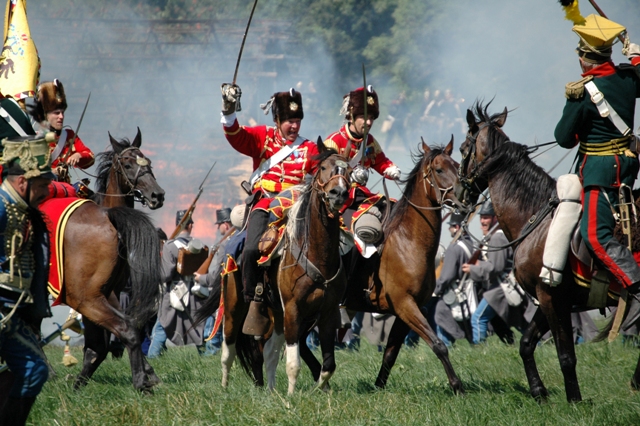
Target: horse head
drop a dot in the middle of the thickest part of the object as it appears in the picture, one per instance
(133, 173)
(440, 173)
(332, 178)
(483, 137)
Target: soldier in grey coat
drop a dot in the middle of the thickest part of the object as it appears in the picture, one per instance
(175, 324)
(457, 254)
(490, 273)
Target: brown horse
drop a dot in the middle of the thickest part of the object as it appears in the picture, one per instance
(106, 248)
(402, 278)
(309, 277)
(519, 190)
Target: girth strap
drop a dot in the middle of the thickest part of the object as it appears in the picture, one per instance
(311, 270)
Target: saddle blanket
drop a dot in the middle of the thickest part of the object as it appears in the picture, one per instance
(56, 213)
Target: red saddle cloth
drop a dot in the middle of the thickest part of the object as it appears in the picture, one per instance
(583, 274)
(56, 213)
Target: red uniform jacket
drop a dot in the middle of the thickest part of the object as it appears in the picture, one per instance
(373, 156)
(262, 142)
(73, 145)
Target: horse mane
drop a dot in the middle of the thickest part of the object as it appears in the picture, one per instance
(528, 185)
(299, 214)
(104, 162)
(495, 138)
(400, 208)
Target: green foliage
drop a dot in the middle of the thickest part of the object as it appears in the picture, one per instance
(417, 393)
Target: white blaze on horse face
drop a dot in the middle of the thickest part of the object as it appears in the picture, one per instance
(293, 365)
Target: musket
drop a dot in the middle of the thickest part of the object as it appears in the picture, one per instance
(204, 268)
(359, 158)
(191, 208)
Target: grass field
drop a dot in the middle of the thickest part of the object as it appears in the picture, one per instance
(417, 393)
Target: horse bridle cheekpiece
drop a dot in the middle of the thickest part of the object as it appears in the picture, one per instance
(144, 167)
(341, 173)
(470, 158)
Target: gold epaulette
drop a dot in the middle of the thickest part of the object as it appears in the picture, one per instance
(575, 89)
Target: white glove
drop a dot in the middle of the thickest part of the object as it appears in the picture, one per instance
(231, 94)
(631, 50)
(392, 172)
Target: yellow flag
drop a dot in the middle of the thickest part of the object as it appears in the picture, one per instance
(19, 62)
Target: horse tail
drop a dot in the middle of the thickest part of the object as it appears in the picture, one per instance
(208, 307)
(249, 352)
(139, 246)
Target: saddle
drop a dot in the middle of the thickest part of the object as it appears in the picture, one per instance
(587, 274)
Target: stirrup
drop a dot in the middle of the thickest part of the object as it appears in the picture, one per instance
(257, 321)
(345, 321)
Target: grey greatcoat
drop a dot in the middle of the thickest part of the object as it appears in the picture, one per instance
(490, 273)
(454, 257)
(177, 324)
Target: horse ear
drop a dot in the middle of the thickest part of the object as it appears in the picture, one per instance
(449, 148)
(471, 120)
(115, 144)
(321, 147)
(425, 147)
(137, 141)
(502, 118)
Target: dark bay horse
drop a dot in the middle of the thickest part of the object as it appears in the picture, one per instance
(520, 189)
(105, 248)
(402, 278)
(308, 280)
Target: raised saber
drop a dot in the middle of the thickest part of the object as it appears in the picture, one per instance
(359, 158)
(244, 38)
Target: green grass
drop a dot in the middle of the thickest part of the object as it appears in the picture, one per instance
(417, 393)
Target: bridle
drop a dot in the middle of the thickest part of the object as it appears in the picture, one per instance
(441, 193)
(341, 172)
(144, 167)
(469, 158)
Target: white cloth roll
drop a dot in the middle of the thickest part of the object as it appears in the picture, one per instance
(565, 219)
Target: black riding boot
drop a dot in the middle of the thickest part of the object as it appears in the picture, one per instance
(257, 321)
(16, 411)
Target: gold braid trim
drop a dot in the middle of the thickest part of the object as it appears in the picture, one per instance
(575, 89)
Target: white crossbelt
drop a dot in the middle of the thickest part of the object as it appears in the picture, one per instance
(12, 122)
(605, 109)
(275, 159)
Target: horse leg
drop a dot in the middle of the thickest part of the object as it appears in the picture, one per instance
(413, 318)
(528, 343)
(398, 332)
(272, 353)
(96, 348)
(558, 312)
(327, 333)
(309, 358)
(291, 336)
(227, 358)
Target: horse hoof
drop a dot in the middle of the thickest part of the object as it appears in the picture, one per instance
(635, 384)
(80, 383)
(540, 395)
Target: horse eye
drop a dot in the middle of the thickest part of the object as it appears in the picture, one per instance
(127, 166)
(439, 171)
(323, 168)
